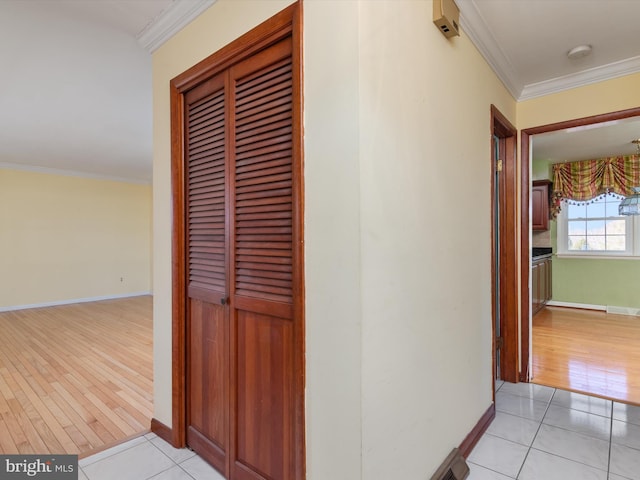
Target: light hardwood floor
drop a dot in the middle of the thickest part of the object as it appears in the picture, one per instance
(588, 351)
(75, 378)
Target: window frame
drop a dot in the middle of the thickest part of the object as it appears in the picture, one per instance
(632, 238)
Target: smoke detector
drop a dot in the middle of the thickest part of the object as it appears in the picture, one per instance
(579, 51)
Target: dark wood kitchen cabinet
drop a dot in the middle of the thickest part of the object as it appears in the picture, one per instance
(540, 283)
(540, 192)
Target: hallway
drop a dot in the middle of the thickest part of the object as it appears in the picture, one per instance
(542, 433)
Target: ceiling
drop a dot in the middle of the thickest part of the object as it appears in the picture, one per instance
(76, 77)
(76, 83)
(526, 43)
(587, 142)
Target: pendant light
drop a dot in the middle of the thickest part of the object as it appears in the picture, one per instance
(631, 204)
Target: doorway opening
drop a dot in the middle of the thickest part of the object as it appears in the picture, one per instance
(527, 346)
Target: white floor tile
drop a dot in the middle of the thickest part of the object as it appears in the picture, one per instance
(539, 433)
(111, 451)
(626, 413)
(520, 406)
(573, 446)
(626, 434)
(544, 466)
(510, 427)
(137, 463)
(531, 390)
(499, 455)
(176, 454)
(476, 472)
(200, 470)
(625, 461)
(577, 421)
(175, 473)
(584, 403)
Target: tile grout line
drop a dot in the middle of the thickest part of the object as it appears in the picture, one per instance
(175, 463)
(491, 470)
(116, 452)
(610, 442)
(537, 431)
(147, 440)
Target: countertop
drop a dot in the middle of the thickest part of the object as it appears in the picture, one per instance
(539, 252)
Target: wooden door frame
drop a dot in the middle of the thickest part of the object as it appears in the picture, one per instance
(525, 220)
(286, 23)
(507, 237)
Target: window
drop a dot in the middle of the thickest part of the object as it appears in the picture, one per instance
(594, 228)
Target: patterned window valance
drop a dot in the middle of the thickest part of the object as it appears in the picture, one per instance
(585, 180)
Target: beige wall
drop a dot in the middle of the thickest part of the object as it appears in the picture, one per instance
(333, 240)
(604, 97)
(65, 238)
(398, 288)
(425, 168)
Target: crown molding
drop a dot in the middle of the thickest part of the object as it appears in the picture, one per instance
(474, 25)
(580, 79)
(170, 22)
(71, 173)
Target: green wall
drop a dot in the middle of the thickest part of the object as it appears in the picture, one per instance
(541, 170)
(595, 281)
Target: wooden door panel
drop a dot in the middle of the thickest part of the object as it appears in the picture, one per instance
(207, 380)
(264, 395)
(262, 259)
(239, 242)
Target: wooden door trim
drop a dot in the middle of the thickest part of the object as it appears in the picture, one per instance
(524, 214)
(286, 23)
(506, 132)
(178, 270)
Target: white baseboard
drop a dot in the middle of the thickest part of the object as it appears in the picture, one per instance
(623, 310)
(71, 301)
(603, 308)
(584, 306)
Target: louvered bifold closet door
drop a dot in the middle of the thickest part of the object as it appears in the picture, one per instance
(262, 261)
(207, 243)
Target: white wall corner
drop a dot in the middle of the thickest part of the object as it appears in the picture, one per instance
(72, 173)
(170, 22)
(474, 25)
(580, 79)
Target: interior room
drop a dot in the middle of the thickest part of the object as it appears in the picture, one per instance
(312, 225)
(593, 285)
(76, 328)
